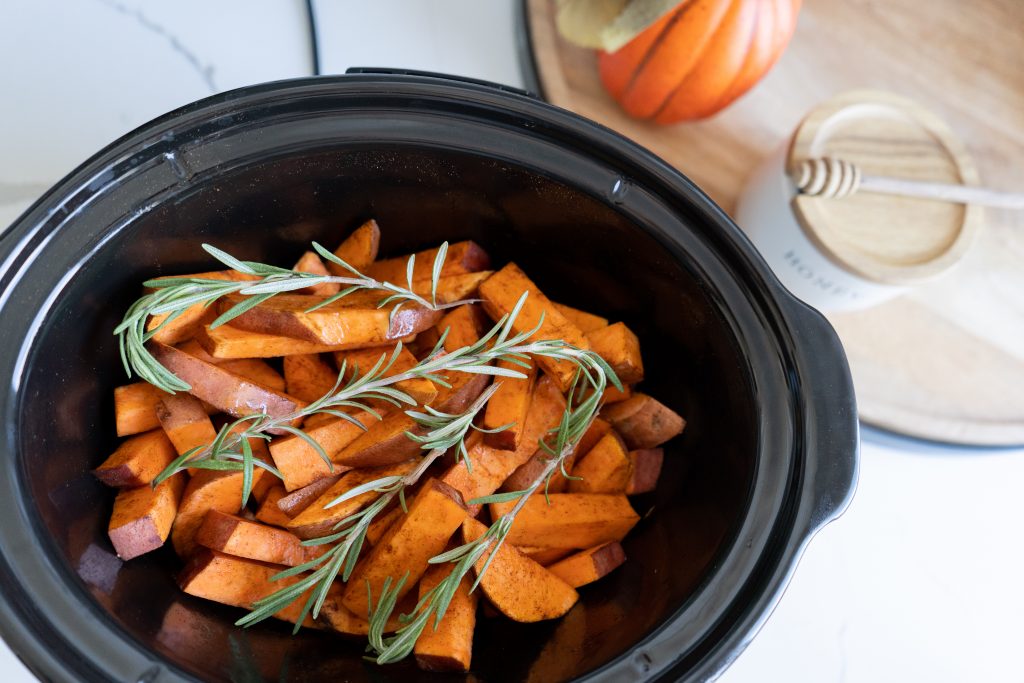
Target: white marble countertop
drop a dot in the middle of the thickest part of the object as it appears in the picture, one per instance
(920, 580)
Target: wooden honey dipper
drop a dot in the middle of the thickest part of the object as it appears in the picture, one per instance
(836, 178)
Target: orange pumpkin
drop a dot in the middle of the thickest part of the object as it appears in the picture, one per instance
(698, 58)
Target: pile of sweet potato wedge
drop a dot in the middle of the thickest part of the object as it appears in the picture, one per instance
(276, 357)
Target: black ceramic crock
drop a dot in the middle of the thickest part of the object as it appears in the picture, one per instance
(769, 455)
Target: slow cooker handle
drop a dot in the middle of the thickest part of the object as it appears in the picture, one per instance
(832, 429)
(387, 71)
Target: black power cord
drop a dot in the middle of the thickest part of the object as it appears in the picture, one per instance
(314, 47)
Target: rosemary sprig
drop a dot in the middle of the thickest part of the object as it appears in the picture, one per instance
(173, 296)
(350, 533)
(593, 374)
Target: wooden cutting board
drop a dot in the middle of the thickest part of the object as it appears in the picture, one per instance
(945, 362)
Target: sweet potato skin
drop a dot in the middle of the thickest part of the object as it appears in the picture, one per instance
(643, 421)
(499, 294)
(384, 443)
(606, 468)
(435, 514)
(621, 348)
(207, 490)
(520, 588)
(589, 565)
(359, 249)
(227, 391)
(142, 517)
(462, 257)
(298, 500)
(449, 647)
(227, 342)
(509, 405)
(238, 537)
(572, 520)
(138, 460)
(645, 471)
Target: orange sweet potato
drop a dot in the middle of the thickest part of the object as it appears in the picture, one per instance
(614, 395)
(257, 370)
(185, 422)
(449, 645)
(318, 520)
(463, 325)
(605, 468)
(269, 512)
(379, 526)
(643, 421)
(526, 473)
(239, 537)
(135, 408)
(490, 467)
(300, 464)
(207, 490)
(300, 499)
(237, 582)
(137, 460)
(308, 377)
(645, 470)
(501, 291)
(544, 556)
(362, 361)
(462, 257)
(620, 347)
(228, 342)
(185, 325)
(509, 405)
(227, 391)
(311, 263)
(571, 520)
(142, 517)
(585, 322)
(435, 514)
(383, 443)
(355, 319)
(359, 249)
(589, 565)
(520, 588)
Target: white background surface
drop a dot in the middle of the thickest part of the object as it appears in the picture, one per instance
(920, 581)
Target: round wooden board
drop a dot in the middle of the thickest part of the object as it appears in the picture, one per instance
(945, 362)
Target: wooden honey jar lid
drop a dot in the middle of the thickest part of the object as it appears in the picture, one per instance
(884, 238)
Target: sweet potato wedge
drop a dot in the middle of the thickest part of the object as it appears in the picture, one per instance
(435, 514)
(318, 520)
(298, 500)
(257, 370)
(379, 526)
(185, 422)
(185, 325)
(311, 263)
(643, 422)
(613, 395)
(308, 376)
(142, 517)
(572, 520)
(300, 464)
(501, 291)
(589, 565)
(362, 361)
(228, 342)
(359, 249)
(463, 325)
(462, 257)
(605, 468)
(449, 645)
(509, 405)
(584, 322)
(269, 512)
(239, 537)
(520, 588)
(135, 408)
(237, 582)
(137, 460)
(620, 347)
(645, 470)
(355, 319)
(544, 556)
(490, 467)
(225, 390)
(383, 443)
(526, 473)
(207, 490)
